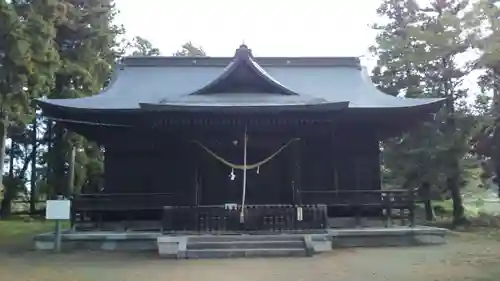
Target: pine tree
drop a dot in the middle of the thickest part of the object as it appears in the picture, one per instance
(484, 21)
(401, 61)
(443, 36)
(142, 47)
(15, 68)
(86, 39)
(35, 21)
(396, 72)
(417, 53)
(190, 50)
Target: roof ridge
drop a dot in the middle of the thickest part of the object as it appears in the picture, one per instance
(173, 61)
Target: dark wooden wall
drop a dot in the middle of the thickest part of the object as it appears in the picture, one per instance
(347, 160)
(143, 170)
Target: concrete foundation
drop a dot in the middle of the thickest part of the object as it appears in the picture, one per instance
(181, 245)
(387, 237)
(100, 240)
(172, 246)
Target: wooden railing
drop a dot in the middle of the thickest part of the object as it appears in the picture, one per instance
(391, 203)
(358, 197)
(122, 202)
(257, 218)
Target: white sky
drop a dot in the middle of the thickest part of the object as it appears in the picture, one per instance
(269, 28)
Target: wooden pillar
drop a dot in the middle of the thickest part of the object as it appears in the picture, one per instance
(196, 186)
(49, 175)
(71, 172)
(296, 173)
(195, 165)
(58, 166)
(387, 206)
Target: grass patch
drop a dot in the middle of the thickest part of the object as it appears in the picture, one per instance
(19, 229)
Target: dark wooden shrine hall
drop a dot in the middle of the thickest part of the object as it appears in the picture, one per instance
(216, 143)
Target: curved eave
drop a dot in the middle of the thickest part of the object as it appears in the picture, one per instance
(325, 107)
(401, 106)
(376, 99)
(48, 106)
(88, 116)
(402, 119)
(428, 105)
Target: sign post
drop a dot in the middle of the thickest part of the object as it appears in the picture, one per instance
(58, 210)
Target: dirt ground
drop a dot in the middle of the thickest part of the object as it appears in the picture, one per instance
(465, 257)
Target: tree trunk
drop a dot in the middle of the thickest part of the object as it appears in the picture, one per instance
(5, 206)
(495, 156)
(456, 197)
(495, 143)
(453, 177)
(429, 211)
(453, 184)
(11, 163)
(33, 177)
(26, 164)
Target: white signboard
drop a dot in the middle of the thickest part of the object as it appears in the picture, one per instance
(58, 210)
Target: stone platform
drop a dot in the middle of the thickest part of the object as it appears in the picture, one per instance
(190, 245)
(387, 237)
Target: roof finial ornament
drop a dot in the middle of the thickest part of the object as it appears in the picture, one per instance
(243, 51)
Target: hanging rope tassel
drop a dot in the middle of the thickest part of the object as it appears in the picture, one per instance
(250, 166)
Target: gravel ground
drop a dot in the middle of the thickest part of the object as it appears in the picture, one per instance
(466, 257)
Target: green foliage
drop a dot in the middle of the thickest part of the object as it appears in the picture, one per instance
(190, 50)
(28, 62)
(87, 42)
(418, 50)
(398, 53)
(142, 47)
(15, 60)
(484, 20)
(57, 49)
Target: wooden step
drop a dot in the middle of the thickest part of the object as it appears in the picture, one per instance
(233, 238)
(268, 244)
(241, 253)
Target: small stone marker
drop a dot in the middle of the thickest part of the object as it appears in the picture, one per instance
(58, 210)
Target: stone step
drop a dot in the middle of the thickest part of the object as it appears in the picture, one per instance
(240, 253)
(233, 238)
(269, 244)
